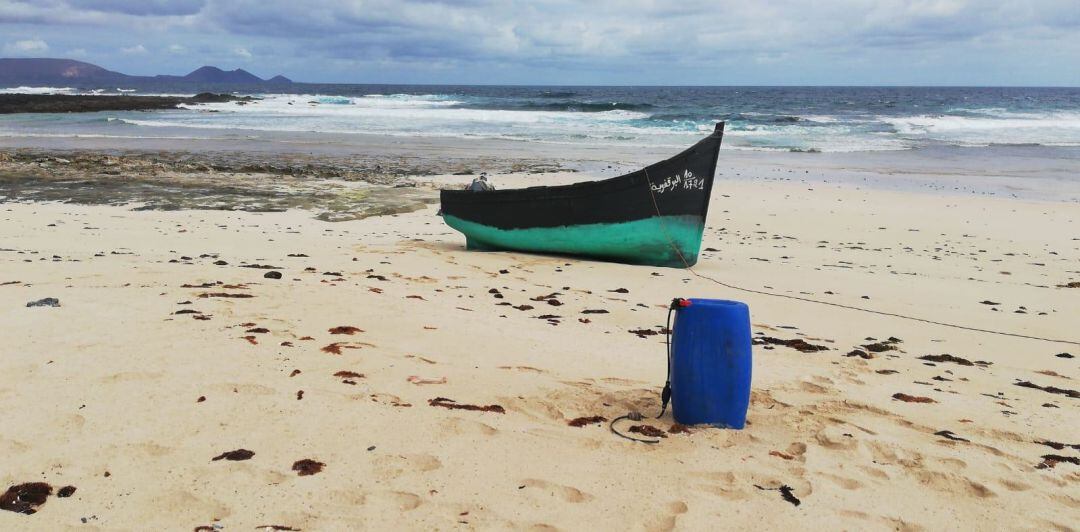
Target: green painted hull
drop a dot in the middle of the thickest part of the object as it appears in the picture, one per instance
(656, 241)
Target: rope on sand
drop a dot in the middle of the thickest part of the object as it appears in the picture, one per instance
(671, 241)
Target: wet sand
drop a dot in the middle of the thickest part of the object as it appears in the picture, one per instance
(389, 378)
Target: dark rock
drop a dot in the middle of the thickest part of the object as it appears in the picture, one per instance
(47, 302)
(85, 103)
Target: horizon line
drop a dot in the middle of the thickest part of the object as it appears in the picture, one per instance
(597, 85)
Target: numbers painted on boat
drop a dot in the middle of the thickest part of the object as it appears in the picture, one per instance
(682, 181)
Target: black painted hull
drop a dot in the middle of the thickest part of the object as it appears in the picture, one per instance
(653, 216)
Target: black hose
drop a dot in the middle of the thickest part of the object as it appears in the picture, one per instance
(665, 396)
(634, 416)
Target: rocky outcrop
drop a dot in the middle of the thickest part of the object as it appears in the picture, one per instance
(71, 103)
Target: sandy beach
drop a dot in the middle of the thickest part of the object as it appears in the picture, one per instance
(350, 379)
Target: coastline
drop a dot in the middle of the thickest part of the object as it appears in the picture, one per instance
(1023, 172)
(130, 388)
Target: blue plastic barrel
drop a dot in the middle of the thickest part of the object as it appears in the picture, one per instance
(710, 363)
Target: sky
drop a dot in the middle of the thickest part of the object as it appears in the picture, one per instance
(570, 42)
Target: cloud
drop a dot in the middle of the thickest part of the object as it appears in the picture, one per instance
(604, 30)
(686, 41)
(112, 16)
(26, 47)
(141, 7)
(138, 49)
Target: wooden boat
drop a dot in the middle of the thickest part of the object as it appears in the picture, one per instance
(654, 216)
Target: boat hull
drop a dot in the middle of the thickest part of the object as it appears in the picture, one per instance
(671, 241)
(654, 216)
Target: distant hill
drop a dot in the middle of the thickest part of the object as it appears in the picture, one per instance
(69, 73)
(210, 74)
(53, 72)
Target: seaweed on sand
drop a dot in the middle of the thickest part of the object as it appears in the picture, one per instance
(797, 344)
(912, 398)
(234, 456)
(25, 498)
(589, 420)
(454, 405)
(785, 491)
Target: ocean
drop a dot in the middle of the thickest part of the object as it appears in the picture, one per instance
(825, 119)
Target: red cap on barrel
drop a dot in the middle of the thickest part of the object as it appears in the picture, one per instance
(680, 303)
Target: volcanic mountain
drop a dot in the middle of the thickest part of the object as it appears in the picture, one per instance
(71, 73)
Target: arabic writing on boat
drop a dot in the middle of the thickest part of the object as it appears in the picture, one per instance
(683, 181)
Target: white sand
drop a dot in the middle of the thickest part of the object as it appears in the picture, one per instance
(108, 383)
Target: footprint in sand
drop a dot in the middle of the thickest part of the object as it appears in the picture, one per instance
(724, 484)
(1014, 485)
(148, 449)
(131, 376)
(460, 426)
(617, 380)
(798, 450)
(392, 501)
(394, 465)
(836, 439)
(887, 454)
(666, 523)
(11, 447)
(525, 369)
(843, 482)
(243, 389)
(565, 493)
(533, 407)
(187, 507)
(899, 525)
(812, 388)
(877, 473)
(542, 527)
(72, 422)
(952, 483)
(953, 464)
(1067, 500)
(795, 452)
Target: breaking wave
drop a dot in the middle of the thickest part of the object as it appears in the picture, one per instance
(789, 119)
